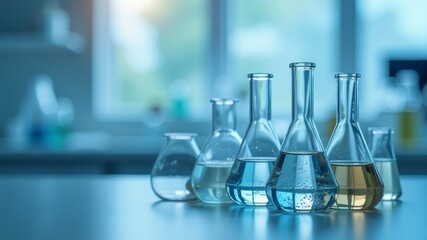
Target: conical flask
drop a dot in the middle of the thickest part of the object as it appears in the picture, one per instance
(259, 148)
(360, 186)
(218, 153)
(382, 150)
(302, 179)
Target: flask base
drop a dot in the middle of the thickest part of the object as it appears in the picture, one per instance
(359, 186)
(247, 180)
(303, 200)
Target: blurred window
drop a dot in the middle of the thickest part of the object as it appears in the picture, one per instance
(150, 58)
(387, 30)
(164, 59)
(265, 36)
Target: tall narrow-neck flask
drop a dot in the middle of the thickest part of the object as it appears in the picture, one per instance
(259, 148)
(382, 150)
(360, 186)
(302, 179)
(218, 153)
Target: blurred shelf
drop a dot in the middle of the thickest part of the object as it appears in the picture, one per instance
(89, 162)
(75, 163)
(34, 42)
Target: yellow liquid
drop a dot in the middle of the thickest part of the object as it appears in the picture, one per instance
(359, 186)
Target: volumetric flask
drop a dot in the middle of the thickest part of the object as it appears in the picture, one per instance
(302, 180)
(360, 186)
(382, 150)
(259, 148)
(218, 153)
(170, 176)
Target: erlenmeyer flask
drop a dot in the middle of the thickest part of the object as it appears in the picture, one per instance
(218, 153)
(259, 148)
(302, 180)
(382, 150)
(170, 176)
(360, 186)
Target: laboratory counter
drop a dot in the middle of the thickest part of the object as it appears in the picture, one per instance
(45, 207)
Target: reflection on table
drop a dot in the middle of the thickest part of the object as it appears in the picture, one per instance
(124, 207)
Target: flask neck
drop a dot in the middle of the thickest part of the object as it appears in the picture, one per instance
(260, 98)
(348, 100)
(302, 92)
(224, 114)
(381, 142)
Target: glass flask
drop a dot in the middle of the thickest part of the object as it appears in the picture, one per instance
(259, 148)
(360, 186)
(218, 153)
(382, 150)
(302, 179)
(170, 176)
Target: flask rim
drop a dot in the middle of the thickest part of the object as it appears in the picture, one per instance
(380, 130)
(225, 101)
(302, 64)
(347, 76)
(260, 76)
(180, 136)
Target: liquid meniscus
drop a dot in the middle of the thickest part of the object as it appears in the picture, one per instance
(247, 180)
(208, 181)
(359, 186)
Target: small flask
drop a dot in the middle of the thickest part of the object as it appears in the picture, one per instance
(302, 179)
(360, 186)
(171, 172)
(259, 148)
(382, 150)
(218, 153)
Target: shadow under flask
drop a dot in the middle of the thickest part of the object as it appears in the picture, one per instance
(382, 150)
(360, 186)
(218, 153)
(171, 172)
(302, 179)
(259, 148)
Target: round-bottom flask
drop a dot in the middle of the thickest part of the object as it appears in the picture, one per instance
(302, 179)
(170, 175)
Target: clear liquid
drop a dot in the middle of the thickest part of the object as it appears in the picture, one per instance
(208, 181)
(302, 182)
(359, 185)
(247, 180)
(170, 177)
(389, 173)
(172, 187)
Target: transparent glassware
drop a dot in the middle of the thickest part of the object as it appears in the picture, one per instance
(360, 186)
(381, 145)
(171, 172)
(302, 179)
(260, 146)
(218, 153)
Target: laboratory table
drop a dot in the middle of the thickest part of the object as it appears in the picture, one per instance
(124, 207)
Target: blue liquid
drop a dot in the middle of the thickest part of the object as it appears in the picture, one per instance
(247, 180)
(302, 182)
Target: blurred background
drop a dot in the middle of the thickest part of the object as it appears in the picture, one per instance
(91, 86)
